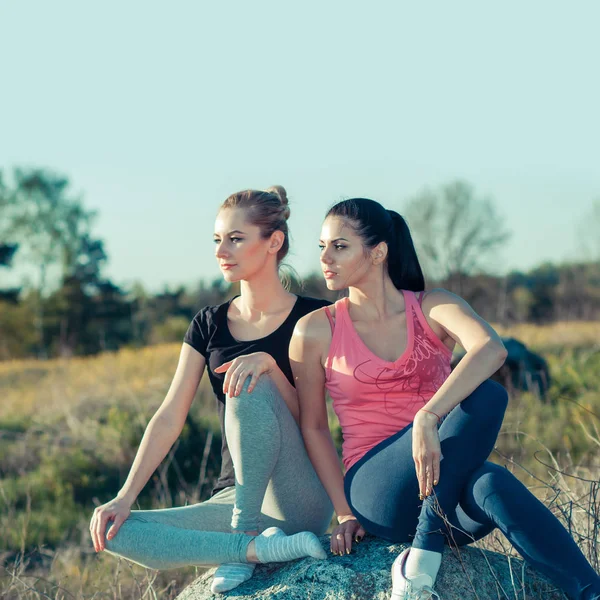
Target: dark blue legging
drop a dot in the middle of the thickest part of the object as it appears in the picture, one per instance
(473, 496)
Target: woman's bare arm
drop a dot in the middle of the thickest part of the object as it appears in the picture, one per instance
(485, 352)
(162, 431)
(165, 426)
(307, 350)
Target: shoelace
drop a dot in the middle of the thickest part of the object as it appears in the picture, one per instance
(426, 593)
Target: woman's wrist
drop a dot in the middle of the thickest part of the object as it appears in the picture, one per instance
(346, 517)
(427, 418)
(270, 360)
(126, 497)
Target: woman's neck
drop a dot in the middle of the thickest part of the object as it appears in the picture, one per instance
(376, 298)
(263, 294)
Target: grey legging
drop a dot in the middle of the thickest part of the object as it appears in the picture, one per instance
(275, 485)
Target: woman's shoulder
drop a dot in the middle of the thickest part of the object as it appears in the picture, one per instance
(208, 316)
(438, 296)
(315, 326)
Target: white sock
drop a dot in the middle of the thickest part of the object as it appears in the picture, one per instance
(422, 566)
(230, 575)
(272, 545)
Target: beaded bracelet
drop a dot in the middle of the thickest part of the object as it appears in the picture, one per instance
(431, 412)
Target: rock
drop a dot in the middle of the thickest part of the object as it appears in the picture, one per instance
(469, 573)
(523, 369)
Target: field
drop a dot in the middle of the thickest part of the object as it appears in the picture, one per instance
(69, 430)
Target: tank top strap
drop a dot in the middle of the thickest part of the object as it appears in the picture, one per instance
(337, 326)
(410, 300)
(341, 309)
(331, 322)
(421, 297)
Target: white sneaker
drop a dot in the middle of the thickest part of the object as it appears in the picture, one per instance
(405, 589)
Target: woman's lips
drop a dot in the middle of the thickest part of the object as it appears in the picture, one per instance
(227, 267)
(329, 274)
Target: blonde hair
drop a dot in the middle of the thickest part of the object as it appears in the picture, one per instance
(266, 209)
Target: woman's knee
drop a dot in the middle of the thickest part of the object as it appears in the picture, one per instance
(489, 399)
(488, 484)
(264, 389)
(253, 412)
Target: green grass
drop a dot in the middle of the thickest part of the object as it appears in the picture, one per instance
(69, 431)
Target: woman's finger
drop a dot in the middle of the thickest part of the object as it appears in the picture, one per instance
(360, 534)
(234, 373)
(237, 381)
(422, 476)
(119, 520)
(428, 477)
(342, 541)
(93, 530)
(436, 470)
(239, 385)
(416, 461)
(100, 531)
(348, 540)
(336, 541)
(97, 544)
(418, 471)
(227, 380)
(223, 367)
(253, 381)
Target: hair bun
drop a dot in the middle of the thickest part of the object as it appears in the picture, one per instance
(280, 192)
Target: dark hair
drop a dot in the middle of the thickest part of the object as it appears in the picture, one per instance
(266, 209)
(375, 224)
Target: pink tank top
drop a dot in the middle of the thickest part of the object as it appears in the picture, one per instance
(375, 398)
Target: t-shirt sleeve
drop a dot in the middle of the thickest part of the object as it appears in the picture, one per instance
(197, 333)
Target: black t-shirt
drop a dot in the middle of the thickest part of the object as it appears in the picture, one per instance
(209, 334)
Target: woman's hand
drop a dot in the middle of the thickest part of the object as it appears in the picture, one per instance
(238, 369)
(426, 451)
(117, 511)
(345, 533)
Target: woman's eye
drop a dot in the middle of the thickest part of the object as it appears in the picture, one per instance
(236, 240)
(339, 247)
(216, 241)
(321, 247)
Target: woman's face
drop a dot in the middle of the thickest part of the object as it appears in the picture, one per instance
(239, 248)
(344, 259)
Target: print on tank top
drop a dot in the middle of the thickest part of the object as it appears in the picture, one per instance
(374, 398)
(420, 375)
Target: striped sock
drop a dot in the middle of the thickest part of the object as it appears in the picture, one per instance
(229, 575)
(275, 546)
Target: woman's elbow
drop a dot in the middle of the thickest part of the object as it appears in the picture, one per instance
(499, 351)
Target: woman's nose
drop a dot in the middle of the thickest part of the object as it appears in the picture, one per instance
(325, 258)
(221, 251)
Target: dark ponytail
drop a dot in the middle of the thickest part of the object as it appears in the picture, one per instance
(374, 224)
(403, 263)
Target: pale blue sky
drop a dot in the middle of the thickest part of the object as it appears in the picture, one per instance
(158, 111)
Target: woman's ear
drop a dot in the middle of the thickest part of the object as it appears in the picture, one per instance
(277, 239)
(379, 253)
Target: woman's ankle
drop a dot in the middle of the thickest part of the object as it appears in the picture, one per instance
(253, 532)
(251, 553)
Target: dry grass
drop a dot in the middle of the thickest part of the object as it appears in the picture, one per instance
(554, 448)
(558, 336)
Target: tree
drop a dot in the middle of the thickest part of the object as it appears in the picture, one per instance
(455, 231)
(7, 249)
(51, 226)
